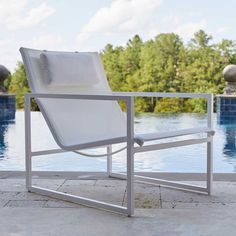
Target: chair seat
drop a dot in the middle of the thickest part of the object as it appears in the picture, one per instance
(141, 138)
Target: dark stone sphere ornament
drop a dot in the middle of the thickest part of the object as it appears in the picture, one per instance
(229, 74)
(4, 73)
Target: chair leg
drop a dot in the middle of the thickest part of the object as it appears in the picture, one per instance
(209, 165)
(109, 160)
(130, 181)
(28, 159)
(64, 196)
(28, 171)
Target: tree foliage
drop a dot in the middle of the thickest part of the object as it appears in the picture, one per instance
(166, 64)
(162, 64)
(18, 84)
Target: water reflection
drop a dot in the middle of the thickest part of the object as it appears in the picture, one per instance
(229, 148)
(187, 159)
(3, 130)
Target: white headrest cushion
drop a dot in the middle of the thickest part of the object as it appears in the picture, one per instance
(69, 69)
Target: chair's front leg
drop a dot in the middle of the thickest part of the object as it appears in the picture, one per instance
(130, 156)
(109, 160)
(130, 181)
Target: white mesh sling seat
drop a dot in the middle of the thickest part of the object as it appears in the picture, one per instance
(82, 112)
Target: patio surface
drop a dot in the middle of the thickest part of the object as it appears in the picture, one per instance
(159, 210)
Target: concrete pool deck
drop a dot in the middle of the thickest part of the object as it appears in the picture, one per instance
(159, 210)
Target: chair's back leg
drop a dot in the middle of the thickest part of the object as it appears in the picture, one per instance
(209, 164)
(28, 157)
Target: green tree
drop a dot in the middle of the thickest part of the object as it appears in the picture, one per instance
(201, 39)
(162, 64)
(227, 49)
(165, 64)
(131, 56)
(169, 49)
(19, 86)
(202, 68)
(111, 61)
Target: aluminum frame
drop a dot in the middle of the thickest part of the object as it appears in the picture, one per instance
(130, 177)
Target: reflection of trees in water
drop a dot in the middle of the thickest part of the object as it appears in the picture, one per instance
(229, 149)
(2, 141)
(3, 129)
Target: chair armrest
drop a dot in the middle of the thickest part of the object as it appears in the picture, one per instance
(207, 96)
(141, 138)
(112, 96)
(157, 94)
(119, 95)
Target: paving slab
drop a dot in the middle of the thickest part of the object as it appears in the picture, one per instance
(81, 183)
(92, 222)
(26, 203)
(6, 195)
(146, 196)
(3, 203)
(54, 203)
(223, 192)
(104, 191)
(159, 210)
(29, 196)
(197, 205)
(53, 184)
(111, 183)
(12, 185)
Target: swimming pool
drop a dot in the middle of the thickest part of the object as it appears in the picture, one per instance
(182, 159)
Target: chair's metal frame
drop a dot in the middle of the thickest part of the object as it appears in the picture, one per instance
(128, 98)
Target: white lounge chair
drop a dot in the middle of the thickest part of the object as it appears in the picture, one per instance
(82, 112)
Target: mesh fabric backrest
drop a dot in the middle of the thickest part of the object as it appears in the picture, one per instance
(75, 122)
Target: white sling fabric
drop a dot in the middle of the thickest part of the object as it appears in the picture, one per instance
(75, 122)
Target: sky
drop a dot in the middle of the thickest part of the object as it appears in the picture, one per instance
(88, 25)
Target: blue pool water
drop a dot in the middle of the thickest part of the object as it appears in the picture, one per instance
(182, 159)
